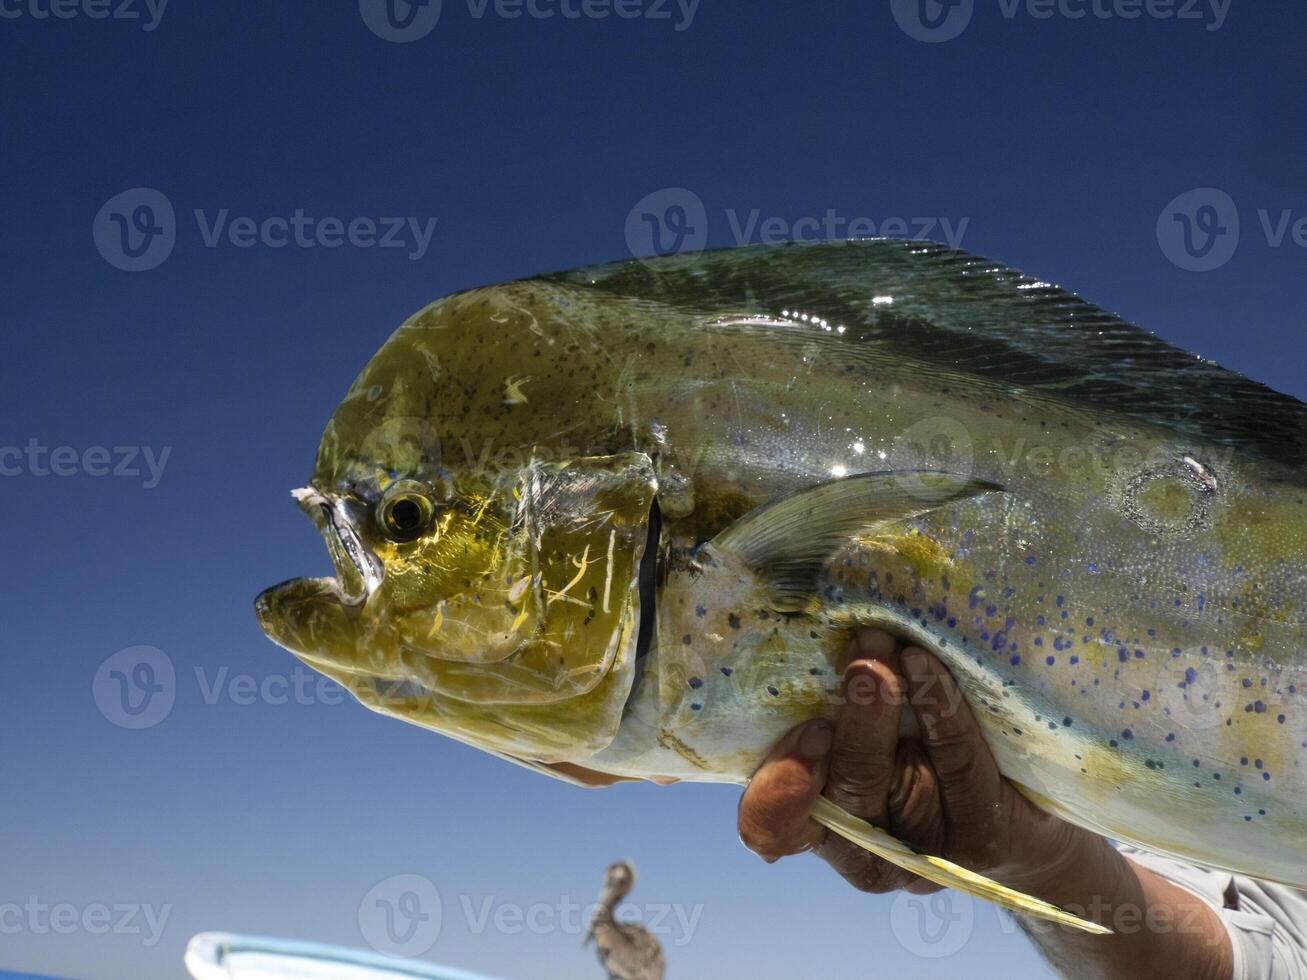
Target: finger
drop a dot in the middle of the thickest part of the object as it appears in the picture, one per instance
(861, 771)
(773, 815)
(916, 811)
(866, 734)
(916, 815)
(874, 644)
(969, 782)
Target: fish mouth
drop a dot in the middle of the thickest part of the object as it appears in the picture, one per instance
(359, 572)
(308, 616)
(302, 608)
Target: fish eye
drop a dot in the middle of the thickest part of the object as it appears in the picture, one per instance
(405, 511)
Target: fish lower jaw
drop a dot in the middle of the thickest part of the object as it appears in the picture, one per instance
(289, 613)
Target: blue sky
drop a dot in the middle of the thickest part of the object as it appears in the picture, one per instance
(1066, 146)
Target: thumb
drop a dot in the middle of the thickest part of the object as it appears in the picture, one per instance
(773, 817)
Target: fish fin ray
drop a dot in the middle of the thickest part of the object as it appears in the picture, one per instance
(942, 872)
(788, 541)
(563, 771)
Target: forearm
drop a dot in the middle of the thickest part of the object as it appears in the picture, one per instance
(1158, 928)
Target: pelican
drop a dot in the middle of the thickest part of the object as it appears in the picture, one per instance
(627, 950)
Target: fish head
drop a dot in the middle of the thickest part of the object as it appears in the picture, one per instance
(492, 596)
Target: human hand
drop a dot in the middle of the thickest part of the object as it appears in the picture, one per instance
(942, 792)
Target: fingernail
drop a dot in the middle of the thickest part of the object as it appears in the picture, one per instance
(816, 740)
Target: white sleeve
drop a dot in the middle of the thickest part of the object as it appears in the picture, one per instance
(1267, 922)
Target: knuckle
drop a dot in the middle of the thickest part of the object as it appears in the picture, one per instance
(954, 756)
(911, 772)
(915, 811)
(859, 767)
(861, 797)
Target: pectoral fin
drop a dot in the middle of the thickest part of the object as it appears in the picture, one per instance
(942, 872)
(581, 776)
(566, 771)
(787, 542)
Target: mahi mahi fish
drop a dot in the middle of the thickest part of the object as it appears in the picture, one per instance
(618, 523)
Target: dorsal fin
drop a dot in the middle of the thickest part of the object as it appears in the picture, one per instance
(976, 321)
